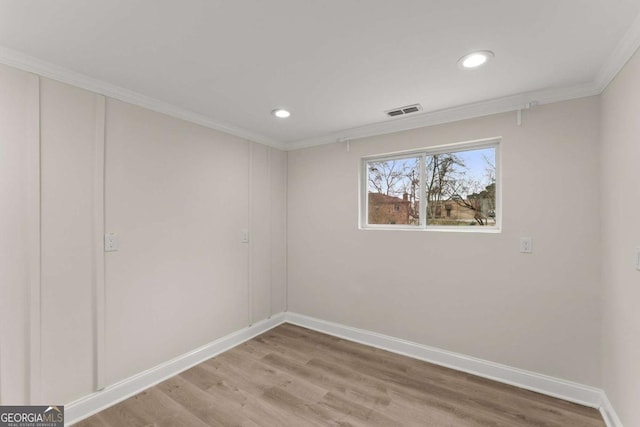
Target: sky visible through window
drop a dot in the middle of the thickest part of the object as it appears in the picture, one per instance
(458, 189)
(476, 166)
(477, 162)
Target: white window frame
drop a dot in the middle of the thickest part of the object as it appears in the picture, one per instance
(422, 154)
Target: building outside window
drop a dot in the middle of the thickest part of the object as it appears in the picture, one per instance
(447, 187)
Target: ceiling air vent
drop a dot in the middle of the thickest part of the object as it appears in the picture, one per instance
(408, 109)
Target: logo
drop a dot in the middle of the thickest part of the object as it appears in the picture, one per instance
(32, 416)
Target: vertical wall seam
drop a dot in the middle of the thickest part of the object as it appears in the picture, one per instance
(269, 177)
(250, 243)
(1, 350)
(34, 256)
(98, 236)
(286, 231)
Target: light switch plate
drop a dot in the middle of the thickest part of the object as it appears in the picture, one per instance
(110, 242)
(244, 236)
(638, 258)
(526, 245)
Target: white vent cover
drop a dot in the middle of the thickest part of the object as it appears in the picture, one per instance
(407, 109)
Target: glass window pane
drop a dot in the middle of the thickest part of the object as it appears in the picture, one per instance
(461, 188)
(393, 191)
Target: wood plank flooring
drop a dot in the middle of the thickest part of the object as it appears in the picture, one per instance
(291, 376)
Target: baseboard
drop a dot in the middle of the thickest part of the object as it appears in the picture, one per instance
(95, 402)
(562, 389)
(608, 413)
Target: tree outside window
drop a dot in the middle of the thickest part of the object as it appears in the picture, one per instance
(458, 188)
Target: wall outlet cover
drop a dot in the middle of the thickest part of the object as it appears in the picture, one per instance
(110, 242)
(526, 245)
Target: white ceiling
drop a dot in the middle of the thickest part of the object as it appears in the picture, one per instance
(336, 64)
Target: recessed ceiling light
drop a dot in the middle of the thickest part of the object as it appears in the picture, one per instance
(281, 113)
(475, 59)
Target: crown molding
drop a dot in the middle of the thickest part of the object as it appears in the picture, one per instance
(625, 49)
(627, 46)
(34, 65)
(453, 114)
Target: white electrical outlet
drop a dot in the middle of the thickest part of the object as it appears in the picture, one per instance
(244, 236)
(110, 242)
(526, 245)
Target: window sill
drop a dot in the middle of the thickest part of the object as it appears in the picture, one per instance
(469, 229)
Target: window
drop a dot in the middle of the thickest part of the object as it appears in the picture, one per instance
(454, 187)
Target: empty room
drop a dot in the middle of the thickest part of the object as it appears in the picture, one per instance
(319, 213)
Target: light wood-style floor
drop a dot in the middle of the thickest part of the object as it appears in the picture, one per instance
(291, 376)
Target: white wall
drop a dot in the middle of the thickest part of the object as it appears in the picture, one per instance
(75, 319)
(268, 239)
(464, 292)
(177, 200)
(621, 235)
(18, 257)
(68, 152)
(278, 226)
